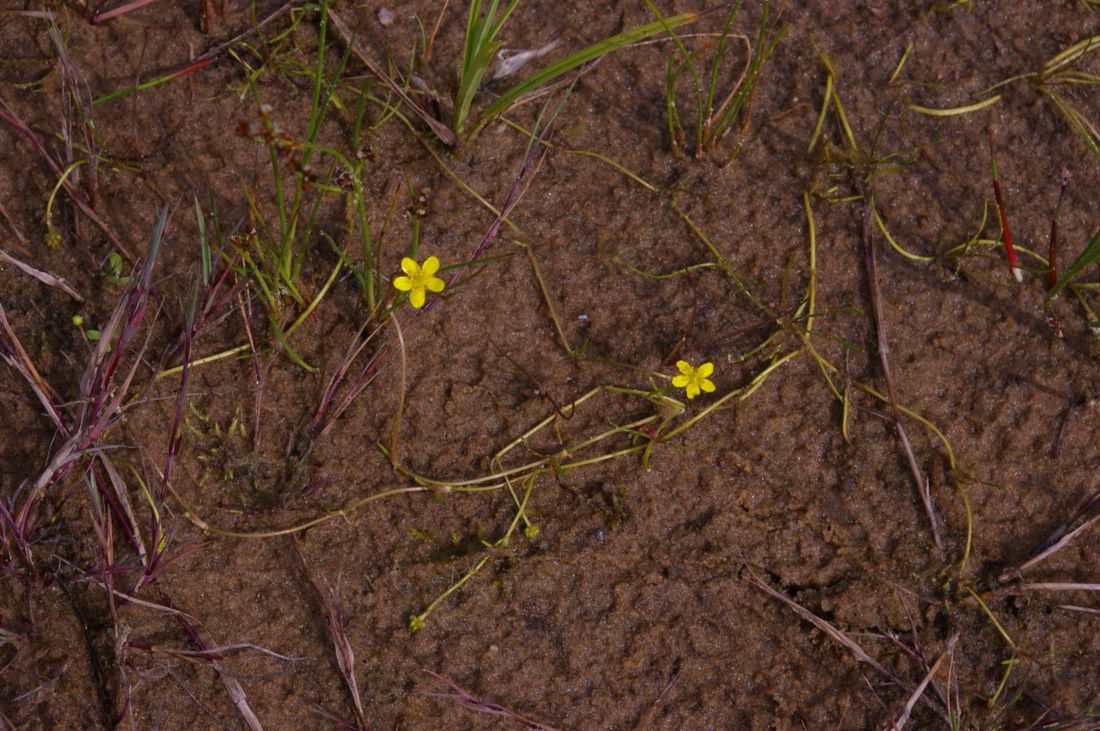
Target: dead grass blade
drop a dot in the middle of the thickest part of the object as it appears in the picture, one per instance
(468, 700)
(20, 239)
(395, 432)
(120, 503)
(45, 277)
(345, 656)
(846, 642)
(1087, 509)
(441, 130)
(236, 692)
(104, 16)
(1050, 586)
(837, 636)
(922, 486)
(902, 719)
(13, 353)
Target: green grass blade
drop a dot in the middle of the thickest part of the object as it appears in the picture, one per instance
(204, 243)
(1079, 124)
(290, 351)
(480, 47)
(675, 126)
(567, 64)
(673, 75)
(1088, 256)
(760, 53)
(719, 54)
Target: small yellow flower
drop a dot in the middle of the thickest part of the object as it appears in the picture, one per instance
(693, 380)
(419, 279)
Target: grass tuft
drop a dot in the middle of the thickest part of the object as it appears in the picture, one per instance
(716, 112)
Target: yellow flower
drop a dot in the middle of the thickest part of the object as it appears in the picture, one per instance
(693, 380)
(419, 279)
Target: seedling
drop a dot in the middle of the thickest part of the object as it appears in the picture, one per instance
(91, 334)
(114, 268)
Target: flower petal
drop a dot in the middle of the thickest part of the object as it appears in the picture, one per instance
(705, 370)
(430, 266)
(685, 367)
(403, 283)
(680, 381)
(692, 390)
(706, 385)
(409, 266)
(435, 284)
(417, 297)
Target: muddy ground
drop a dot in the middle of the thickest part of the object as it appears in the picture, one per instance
(674, 564)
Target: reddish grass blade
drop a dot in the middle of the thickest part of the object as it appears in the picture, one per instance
(8, 115)
(468, 700)
(120, 10)
(188, 69)
(345, 657)
(1010, 250)
(102, 391)
(236, 692)
(1052, 268)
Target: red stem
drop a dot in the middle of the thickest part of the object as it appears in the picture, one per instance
(1010, 250)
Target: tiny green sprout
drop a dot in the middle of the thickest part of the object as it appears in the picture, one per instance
(53, 236)
(91, 334)
(114, 264)
(693, 380)
(420, 279)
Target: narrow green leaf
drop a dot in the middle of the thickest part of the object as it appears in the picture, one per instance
(291, 353)
(480, 48)
(204, 244)
(567, 64)
(1086, 257)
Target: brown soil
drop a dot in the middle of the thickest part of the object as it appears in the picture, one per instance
(639, 602)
